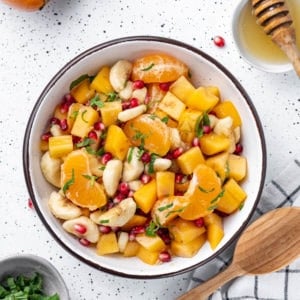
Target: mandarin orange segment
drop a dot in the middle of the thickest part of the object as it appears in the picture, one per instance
(149, 132)
(203, 193)
(79, 185)
(158, 68)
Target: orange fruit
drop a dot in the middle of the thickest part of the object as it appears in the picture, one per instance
(158, 67)
(29, 5)
(203, 193)
(79, 185)
(150, 132)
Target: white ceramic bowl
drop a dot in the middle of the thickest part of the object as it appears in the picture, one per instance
(251, 58)
(206, 71)
(27, 265)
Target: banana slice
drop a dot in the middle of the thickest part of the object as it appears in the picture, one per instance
(51, 169)
(119, 214)
(140, 94)
(224, 126)
(131, 113)
(112, 175)
(126, 93)
(133, 166)
(82, 227)
(62, 208)
(119, 74)
(123, 239)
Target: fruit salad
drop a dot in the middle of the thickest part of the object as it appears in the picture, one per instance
(144, 163)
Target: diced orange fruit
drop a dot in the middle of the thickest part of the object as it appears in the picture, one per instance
(172, 106)
(101, 82)
(165, 183)
(136, 220)
(60, 145)
(158, 68)
(107, 244)
(190, 159)
(82, 92)
(150, 132)
(151, 243)
(213, 143)
(148, 257)
(78, 183)
(182, 88)
(227, 108)
(203, 193)
(131, 249)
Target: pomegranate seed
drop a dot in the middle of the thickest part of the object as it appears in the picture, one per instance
(125, 105)
(84, 242)
(54, 121)
(146, 157)
(124, 188)
(63, 124)
(138, 84)
(30, 203)
(64, 107)
(169, 155)
(179, 177)
(145, 178)
(164, 86)
(106, 158)
(69, 99)
(104, 229)
(164, 256)
(131, 236)
(134, 102)
(177, 152)
(119, 197)
(76, 139)
(219, 41)
(179, 193)
(99, 126)
(115, 228)
(147, 100)
(195, 142)
(164, 235)
(79, 228)
(130, 194)
(206, 129)
(238, 149)
(137, 229)
(93, 135)
(45, 137)
(199, 222)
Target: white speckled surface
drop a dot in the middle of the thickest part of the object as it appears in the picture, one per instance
(33, 46)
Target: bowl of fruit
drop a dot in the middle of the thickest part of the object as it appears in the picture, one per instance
(144, 157)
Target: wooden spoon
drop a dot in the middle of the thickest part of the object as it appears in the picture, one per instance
(267, 245)
(276, 21)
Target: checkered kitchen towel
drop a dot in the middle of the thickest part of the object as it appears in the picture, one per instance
(284, 190)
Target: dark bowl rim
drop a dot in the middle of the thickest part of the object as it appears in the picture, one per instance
(145, 38)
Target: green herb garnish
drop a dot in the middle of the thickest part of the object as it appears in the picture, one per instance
(152, 228)
(104, 221)
(203, 190)
(69, 182)
(162, 208)
(24, 288)
(130, 154)
(83, 116)
(78, 80)
(151, 163)
(217, 197)
(92, 178)
(112, 97)
(85, 142)
(201, 121)
(149, 67)
(165, 119)
(175, 211)
(97, 102)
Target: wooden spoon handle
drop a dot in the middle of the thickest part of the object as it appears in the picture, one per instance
(204, 290)
(294, 56)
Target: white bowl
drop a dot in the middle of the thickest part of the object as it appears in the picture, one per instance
(205, 70)
(27, 265)
(249, 56)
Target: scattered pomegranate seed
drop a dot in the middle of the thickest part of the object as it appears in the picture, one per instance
(131, 236)
(238, 149)
(137, 229)
(106, 158)
(45, 137)
(195, 142)
(164, 86)
(219, 41)
(93, 135)
(164, 256)
(76, 139)
(130, 194)
(179, 177)
(179, 193)
(84, 242)
(134, 102)
(63, 124)
(104, 229)
(147, 100)
(123, 188)
(177, 152)
(125, 105)
(118, 198)
(54, 121)
(69, 99)
(64, 107)
(146, 157)
(206, 129)
(145, 178)
(30, 203)
(79, 228)
(199, 222)
(164, 235)
(115, 228)
(138, 84)
(99, 126)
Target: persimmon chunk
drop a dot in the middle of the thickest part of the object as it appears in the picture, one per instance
(79, 185)
(158, 68)
(203, 193)
(149, 132)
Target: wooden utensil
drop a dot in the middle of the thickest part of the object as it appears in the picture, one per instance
(267, 245)
(275, 18)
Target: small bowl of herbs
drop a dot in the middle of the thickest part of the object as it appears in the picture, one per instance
(30, 277)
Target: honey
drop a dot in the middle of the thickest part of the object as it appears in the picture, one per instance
(260, 45)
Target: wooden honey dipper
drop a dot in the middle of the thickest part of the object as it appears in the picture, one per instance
(275, 18)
